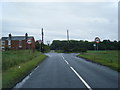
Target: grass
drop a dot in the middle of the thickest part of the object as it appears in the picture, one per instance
(27, 62)
(59, 51)
(12, 58)
(107, 58)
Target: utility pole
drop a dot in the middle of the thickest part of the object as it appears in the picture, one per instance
(42, 34)
(68, 36)
(42, 41)
(68, 45)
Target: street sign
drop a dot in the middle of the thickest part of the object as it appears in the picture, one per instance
(97, 40)
(40, 41)
(29, 41)
(94, 45)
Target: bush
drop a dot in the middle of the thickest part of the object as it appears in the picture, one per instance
(82, 50)
(76, 49)
(7, 48)
(67, 49)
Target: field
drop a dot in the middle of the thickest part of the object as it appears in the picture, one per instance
(107, 58)
(17, 64)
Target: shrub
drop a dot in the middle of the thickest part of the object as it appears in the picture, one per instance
(7, 48)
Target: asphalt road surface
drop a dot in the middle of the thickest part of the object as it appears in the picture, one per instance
(61, 70)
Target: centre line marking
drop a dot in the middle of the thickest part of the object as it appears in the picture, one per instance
(63, 57)
(81, 79)
(66, 62)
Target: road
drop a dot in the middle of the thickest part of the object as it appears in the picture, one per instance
(61, 70)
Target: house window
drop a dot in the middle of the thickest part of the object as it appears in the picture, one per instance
(3, 42)
(20, 44)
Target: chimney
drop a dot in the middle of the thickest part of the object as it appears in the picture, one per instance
(10, 36)
(26, 36)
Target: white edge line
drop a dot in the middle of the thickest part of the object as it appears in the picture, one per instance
(19, 84)
(81, 79)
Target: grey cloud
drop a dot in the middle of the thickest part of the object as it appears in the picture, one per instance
(84, 20)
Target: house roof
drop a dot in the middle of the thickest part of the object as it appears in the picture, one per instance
(16, 38)
(4, 38)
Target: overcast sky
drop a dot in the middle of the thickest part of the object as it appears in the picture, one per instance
(84, 20)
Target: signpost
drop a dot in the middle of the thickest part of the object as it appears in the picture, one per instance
(40, 43)
(94, 46)
(29, 41)
(97, 40)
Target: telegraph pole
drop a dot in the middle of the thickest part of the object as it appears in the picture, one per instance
(42, 34)
(68, 45)
(42, 41)
(68, 36)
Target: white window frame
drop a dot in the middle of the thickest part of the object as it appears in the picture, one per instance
(3, 42)
(20, 43)
(3, 47)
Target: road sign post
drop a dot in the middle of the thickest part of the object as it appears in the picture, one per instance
(94, 46)
(40, 43)
(29, 41)
(97, 40)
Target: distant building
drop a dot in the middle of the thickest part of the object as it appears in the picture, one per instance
(18, 42)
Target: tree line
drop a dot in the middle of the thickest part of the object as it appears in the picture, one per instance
(74, 45)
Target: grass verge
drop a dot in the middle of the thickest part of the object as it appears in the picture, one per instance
(59, 51)
(14, 57)
(16, 73)
(106, 58)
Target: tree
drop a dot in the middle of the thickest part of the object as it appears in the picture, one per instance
(75, 45)
(37, 46)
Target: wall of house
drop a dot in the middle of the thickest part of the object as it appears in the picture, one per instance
(33, 43)
(15, 44)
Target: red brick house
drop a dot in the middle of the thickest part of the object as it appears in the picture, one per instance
(18, 42)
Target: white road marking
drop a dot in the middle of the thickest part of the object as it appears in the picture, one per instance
(19, 85)
(78, 75)
(66, 62)
(36, 67)
(63, 57)
(22, 82)
(81, 79)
